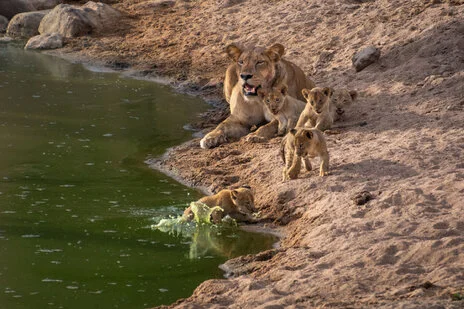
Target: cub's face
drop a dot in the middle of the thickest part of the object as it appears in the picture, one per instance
(273, 98)
(317, 97)
(303, 138)
(256, 67)
(244, 200)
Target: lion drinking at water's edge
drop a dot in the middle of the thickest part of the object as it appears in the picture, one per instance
(254, 68)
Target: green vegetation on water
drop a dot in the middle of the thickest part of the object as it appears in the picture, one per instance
(77, 201)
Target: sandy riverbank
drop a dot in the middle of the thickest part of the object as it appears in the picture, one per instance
(402, 249)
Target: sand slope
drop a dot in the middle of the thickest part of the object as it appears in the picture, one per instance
(402, 249)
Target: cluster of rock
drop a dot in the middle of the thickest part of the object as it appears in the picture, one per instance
(47, 22)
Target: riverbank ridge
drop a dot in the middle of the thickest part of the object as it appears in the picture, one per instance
(404, 248)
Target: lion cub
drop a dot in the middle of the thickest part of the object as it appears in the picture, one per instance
(283, 107)
(319, 110)
(342, 98)
(238, 204)
(302, 144)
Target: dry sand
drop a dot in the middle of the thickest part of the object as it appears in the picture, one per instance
(402, 249)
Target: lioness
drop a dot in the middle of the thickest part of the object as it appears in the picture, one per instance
(319, 112)
(253, 68)
(302, 144)
(238, 204)
(283, 107)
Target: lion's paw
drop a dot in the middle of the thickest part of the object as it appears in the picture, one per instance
(212, 140)
(253, 138)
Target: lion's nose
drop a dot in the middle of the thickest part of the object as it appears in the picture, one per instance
(245, 76)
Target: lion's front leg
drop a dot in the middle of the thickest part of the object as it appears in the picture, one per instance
(264, 133)
(229, 130)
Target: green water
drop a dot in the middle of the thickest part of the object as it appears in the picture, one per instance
(77, 201)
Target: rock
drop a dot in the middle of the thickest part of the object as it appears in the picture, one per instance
(228, 3)
(10, 8)
(5, 39)
(3, 24)
(45, 41)
(100, 14)
(44, 4)
(72, 21)
(25, 25)
(365, 57)
(362, 198)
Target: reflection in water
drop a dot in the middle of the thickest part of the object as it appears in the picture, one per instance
(206, 240)
(76, 200)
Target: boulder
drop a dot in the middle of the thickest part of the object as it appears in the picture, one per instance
(10, 8)
(72, 21)
(3, 24)
(38, 5)
(101, 15)
(365, 57)
(45, 41)
(25, 25)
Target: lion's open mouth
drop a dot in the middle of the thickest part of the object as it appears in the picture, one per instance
(250, 89)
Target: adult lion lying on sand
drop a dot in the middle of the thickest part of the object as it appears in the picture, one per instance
(252, 69)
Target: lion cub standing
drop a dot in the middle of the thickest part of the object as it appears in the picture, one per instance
(282, 106)
(238, 204)
(302, 144)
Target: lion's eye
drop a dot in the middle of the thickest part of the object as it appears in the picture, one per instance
(240, 62)
(312, 102)
(260, 62)
(277, 100)
(267, 101)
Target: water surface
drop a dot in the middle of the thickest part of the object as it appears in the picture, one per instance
(76, 199)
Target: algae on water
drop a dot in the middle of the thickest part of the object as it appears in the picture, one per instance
(202, 212)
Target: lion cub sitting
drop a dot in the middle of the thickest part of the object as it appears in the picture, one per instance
(319, 111)
(284, 108)
(238, 204)
(324, 106)
(302, 144)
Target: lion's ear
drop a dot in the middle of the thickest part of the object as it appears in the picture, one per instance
(309, 134)
(328, 91)
(305, 93)
(275, 52)
(293, 131)
(233, 51)
(284, 90)
(234, 194)
(278, 48)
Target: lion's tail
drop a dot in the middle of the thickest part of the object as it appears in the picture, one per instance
(282, 148)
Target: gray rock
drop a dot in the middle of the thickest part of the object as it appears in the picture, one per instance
(100, 15)
(25, 25)
(45, 41)
(44, 4)
(3, 24)
(10, 8)
(72, 21)
(365, 57)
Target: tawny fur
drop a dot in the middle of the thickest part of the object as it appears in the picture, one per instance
(300, 144)
(319, 112)
(283, 107)
(238, 204)
(341, 99)
(253, 68)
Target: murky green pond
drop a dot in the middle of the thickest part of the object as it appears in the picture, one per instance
(76, 199)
